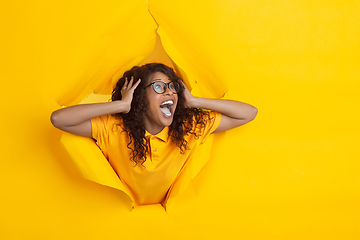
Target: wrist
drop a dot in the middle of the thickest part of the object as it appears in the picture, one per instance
(122, 106)
(194, 102)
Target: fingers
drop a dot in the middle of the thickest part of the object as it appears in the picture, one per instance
(129, 85)
(185, 87)
(136, 84)
(131, 82)
(124, 87)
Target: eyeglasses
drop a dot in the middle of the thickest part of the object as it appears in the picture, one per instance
(160, 87)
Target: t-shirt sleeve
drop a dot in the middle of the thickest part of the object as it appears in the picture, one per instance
(211, 125)
(101, 127)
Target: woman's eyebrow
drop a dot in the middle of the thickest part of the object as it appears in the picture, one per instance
(160, 79)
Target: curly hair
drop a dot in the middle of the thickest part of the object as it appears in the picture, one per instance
(184, 118)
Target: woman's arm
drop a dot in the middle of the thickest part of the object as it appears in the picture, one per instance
(234, 113)
(76, 119)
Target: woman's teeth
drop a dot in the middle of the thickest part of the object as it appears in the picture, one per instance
(167, 102)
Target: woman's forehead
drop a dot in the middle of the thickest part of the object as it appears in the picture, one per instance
(159, 76)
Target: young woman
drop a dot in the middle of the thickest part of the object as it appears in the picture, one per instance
(150, 129)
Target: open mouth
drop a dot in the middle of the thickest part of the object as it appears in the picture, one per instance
(166, 107)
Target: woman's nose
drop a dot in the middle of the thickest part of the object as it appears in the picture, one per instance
(168, 91)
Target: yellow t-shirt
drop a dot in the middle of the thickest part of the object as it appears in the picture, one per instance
(151, 182)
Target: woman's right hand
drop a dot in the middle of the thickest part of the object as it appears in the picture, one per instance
(127, 93)
(76, 119)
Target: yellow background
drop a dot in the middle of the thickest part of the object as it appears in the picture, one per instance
(292, 173)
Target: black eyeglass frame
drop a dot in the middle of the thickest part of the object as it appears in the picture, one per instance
(167, 85)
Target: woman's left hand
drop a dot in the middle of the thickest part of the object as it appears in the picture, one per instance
(234, 113)
(189, 98)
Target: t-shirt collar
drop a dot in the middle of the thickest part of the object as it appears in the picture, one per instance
(163, 135)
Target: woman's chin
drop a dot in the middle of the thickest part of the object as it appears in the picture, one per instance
(167, 121)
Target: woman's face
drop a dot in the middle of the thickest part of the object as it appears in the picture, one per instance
(161, 108)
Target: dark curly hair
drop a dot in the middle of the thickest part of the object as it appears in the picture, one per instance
(184, 120)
